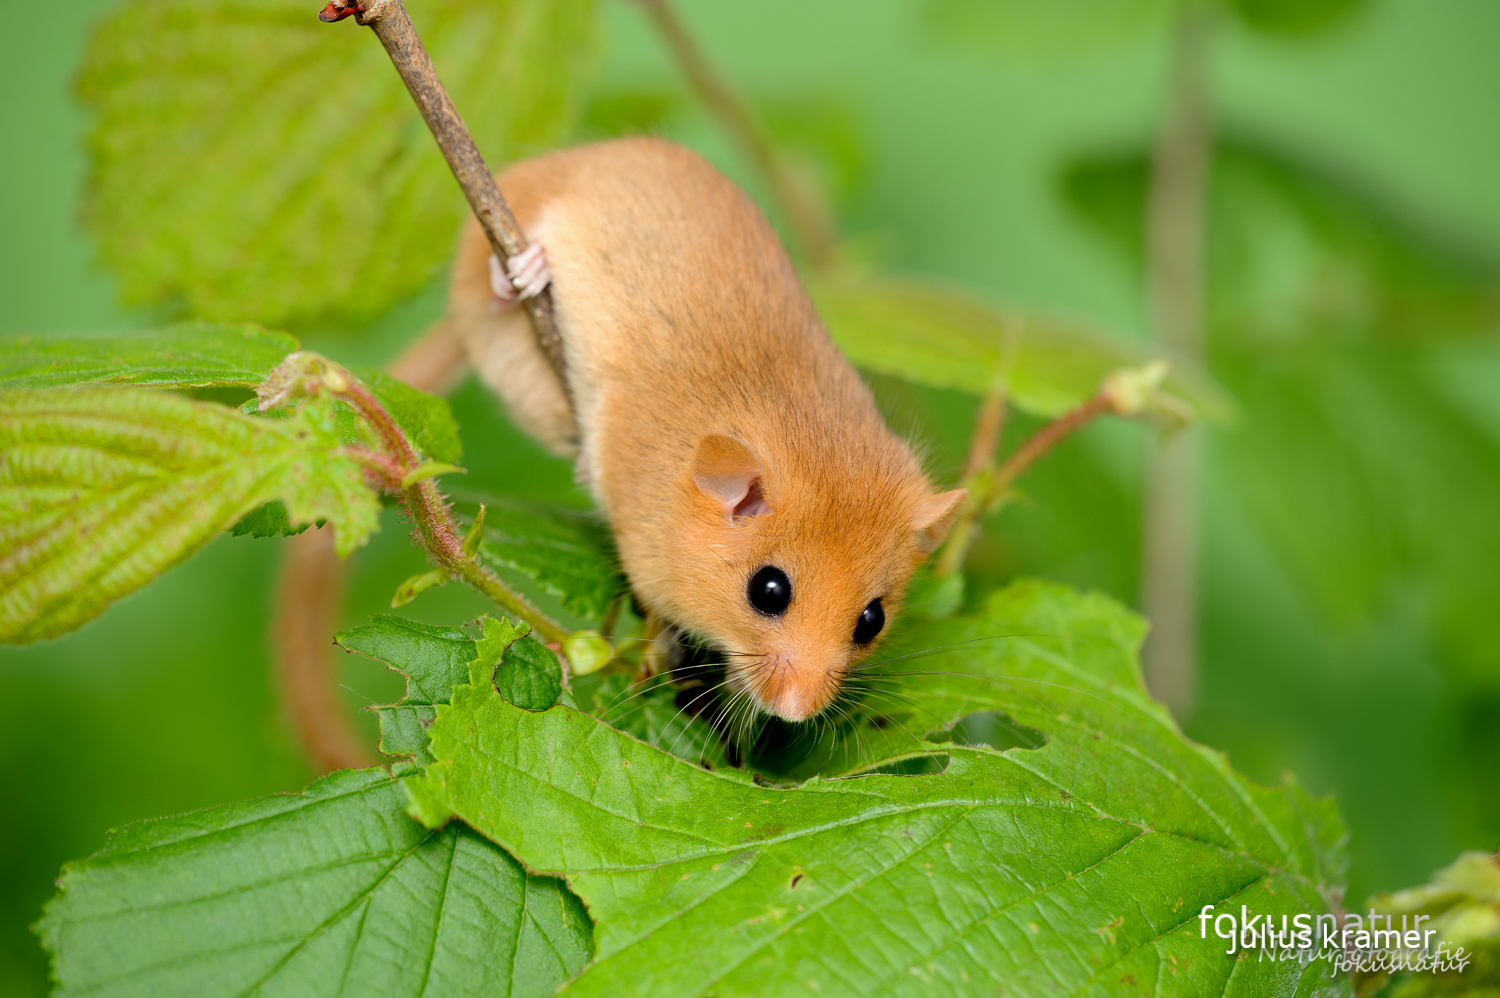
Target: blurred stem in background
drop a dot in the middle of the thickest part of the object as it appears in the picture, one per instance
(804, 210)
(1174, 253)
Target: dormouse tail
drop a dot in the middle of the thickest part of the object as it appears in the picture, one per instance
(309, 595)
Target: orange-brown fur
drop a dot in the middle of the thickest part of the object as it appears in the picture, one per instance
(682, 318)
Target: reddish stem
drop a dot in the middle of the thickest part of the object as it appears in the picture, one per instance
(1044, 440)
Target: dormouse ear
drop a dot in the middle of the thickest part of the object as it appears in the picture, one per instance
(729, 473)
(934, 515)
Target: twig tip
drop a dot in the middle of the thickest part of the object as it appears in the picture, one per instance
(337, 10)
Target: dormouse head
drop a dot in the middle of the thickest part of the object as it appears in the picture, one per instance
(807, 566)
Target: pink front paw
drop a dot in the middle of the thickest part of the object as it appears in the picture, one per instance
(524, 276)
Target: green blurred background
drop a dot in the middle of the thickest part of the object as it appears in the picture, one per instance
(1351, 543)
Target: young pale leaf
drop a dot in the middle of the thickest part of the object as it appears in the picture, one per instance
(1080, 867)
(254, 161)
(333, 891)
(102, 489)
(185, 355)
(1461, 908)
(569, 553)
(936, 336)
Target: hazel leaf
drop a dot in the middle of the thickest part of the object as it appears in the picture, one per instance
(252, 161)
(333, 891)
(569, 553)
(944, 338)
(1077, 867)
(185, 355)
(103, 489)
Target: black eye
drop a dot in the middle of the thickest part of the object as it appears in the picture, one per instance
(770, 591)
(870, 621)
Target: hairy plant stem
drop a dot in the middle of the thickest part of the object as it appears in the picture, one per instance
(1175, 233)
(809, 221)
(989, 422)
(392, 25)
(990, 489)
(434, 523)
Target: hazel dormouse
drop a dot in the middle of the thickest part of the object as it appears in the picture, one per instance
(758, 500)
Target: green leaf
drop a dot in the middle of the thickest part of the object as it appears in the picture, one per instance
(1077, 867)
(1295, 253)
(256, 162)
(569, 553)
(333, 891)
(1462, 907)
(433, 659)
(102, 489)
(1362, 346)
(426, 419)
(936, 336)
(185, 355)
(270, 520)
(529, 675)
(649, 711)
(1295, 17)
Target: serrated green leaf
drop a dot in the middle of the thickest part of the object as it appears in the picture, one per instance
(942, 338)
(568, 552)
(433, 659)
(185, 355)
(256, 162)
(426, 419)
(1112, 836)
(333, 891)
(102, 489)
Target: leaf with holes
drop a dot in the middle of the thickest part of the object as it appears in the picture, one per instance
(936, 336)
(185, 355)
(254, 162)
(102, 489)
(1080, 866)
(333, 891)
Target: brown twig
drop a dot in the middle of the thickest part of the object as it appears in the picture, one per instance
(813, 228)
(392, 25)
(1175, 233)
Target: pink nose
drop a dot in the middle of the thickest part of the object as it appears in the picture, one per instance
(795, 689)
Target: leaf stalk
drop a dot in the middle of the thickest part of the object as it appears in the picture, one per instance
(434, 523)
